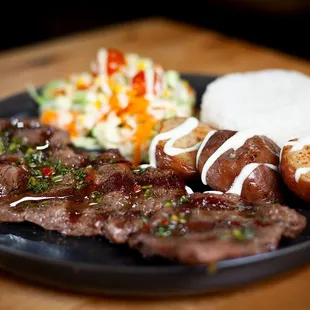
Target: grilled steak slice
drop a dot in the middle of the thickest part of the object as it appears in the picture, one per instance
(110, 156)
(12, 179)
(68, 157)
(18, 137)
(114, 204)
(33, 133)
(207, 228)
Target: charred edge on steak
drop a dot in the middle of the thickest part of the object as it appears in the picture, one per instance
(207, 228)
(85, 194)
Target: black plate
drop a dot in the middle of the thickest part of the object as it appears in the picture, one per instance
(94, 265)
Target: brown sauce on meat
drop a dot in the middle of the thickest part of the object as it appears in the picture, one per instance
(117, 182)
(76, 210)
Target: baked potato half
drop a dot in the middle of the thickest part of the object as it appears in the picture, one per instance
(246, 165)
(183, 164)
(295, 167)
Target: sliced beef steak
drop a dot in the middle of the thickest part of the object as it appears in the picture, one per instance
(208, 228)
(44, 181)
(33, 133)
(12, 179)
(112, 211)
(68, 157)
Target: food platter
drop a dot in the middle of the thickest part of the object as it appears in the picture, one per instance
(94, 265)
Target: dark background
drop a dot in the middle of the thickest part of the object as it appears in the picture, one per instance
(280, 24)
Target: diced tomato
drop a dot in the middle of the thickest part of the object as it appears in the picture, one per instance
(164, 222)
(137, 189)
(90, 176)
(146, 227)
(115, 60)
(47, 171)
(23, 166)
(139, 83)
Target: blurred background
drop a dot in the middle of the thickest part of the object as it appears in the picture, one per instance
(279, 24)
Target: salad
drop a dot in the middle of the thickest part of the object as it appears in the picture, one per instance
(118, 103)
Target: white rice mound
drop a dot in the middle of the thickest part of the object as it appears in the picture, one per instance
(273, 102)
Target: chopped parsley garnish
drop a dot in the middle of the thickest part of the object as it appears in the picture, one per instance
(243, 234)
(171, 225)
(144, 218)
(146, 186)
(183, 199)
(2, 148)
(168, 203)
(96, 196)
(37, 185)
(61, 169)
(57, 178)
(37, 173)
(92, 156)
(138, 170)
(147, 193)
(163, 231)
(12, 145)
(80, 176)
(34, 159)
(43, 172)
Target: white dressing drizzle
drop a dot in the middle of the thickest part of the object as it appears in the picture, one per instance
(299, 144)
(246, 171)
(213, 192)
(102, 61)
(43, 147)
(280, 156)
(234, 142)
(172, 135)
(203, 144)
(149, 81)
(189, 190)
(15, 203)
(300, 171)
(144, 166)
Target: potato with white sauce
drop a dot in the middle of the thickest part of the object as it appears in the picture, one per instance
(295, 166)
(180, 156)
(243, 163)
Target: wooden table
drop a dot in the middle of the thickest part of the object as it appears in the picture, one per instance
(175, 46)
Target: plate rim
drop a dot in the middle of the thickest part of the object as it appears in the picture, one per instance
(224, 264)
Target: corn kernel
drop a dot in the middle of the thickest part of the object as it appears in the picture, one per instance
(141, 65)
(175, 218)
(80, 81)
(118, 88)
(166, 93)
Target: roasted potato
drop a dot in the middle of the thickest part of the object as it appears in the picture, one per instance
(241, 170)
(183, 164)
(295, 167)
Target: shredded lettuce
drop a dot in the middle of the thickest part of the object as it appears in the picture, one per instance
(46, 91)
(80, 97)
(32, 91)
